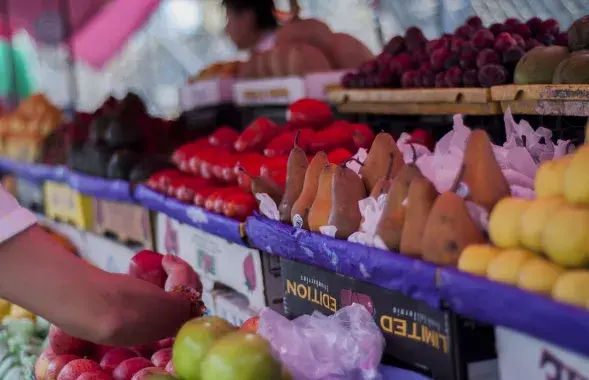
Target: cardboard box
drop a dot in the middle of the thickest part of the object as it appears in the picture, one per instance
(434, 342)
(107, 254)
(64, 204)
(166, 234)
(206, 93)
(30, 195)
(129, 224)
(524, 357)
(250, 272)
(233, 307)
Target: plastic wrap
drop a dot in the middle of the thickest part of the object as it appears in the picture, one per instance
(347, 345)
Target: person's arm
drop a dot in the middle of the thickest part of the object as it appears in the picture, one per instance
(40, 275)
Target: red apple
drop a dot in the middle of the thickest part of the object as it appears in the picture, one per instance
(251, 325)
(146, 372)
(162, 357)
(147, 265)
(130, 367)
(62, 343)
(95, 376)
(99, 351)
(42, 363)
(56, 364)
(170, 368)
(116, 356)
(165, 343)
(145, 350)
(78, 367)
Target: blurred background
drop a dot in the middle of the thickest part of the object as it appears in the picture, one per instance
(80, 51)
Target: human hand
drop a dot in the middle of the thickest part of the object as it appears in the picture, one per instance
(180, 273)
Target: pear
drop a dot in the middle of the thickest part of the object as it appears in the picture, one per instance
(550, 177)
(475, 258)
(481, 172)
(572, 287)
(347, 190)
(420, 199)
(576, 180)
(265, 185)
(300, 210)
(376, 164)
(321, 207)
(533, 220)
(565, 236)
(507, 265)
(449, 230)
(295, 179)
(390, 225)
(383, 185)
(539, 275)
(505, 222)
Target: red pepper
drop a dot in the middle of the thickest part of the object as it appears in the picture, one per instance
(240, 206)
(363, 136)
(311, 112)
(188, 187)
(257, 135)
(224, 137)
(202, 194)
(283, 144)
(338, 156)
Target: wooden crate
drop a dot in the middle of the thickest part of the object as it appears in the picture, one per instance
(544, 99)
(426, 101)
(129, 223)
(64, 204)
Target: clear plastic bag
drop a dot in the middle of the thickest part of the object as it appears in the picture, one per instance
(347, 345)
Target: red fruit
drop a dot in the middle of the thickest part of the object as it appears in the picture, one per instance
(487, 56)
(369, 67)
(504, 42)
(145, 373)
(497, 29)
(162, 357)
(451, 61)
(408, 80)
(434, 45)
(363, 136)
(483, 39)
(532, 43)
(223, 137)
(523, 30)
(256, 135)
(401, 63)
(228, 161)
(348, 80)
(165, 343)
(282, 144)
(534, 24)
(42, 363)
(512, 56)
(147, 265)
(453, 77)
(277, 164)
(130, 367)
(99, 351)
(474, 22)
(513, 22)
(179, 155)
(57, 364)
(428, 79)
(187, 189)
(440, 81)
(395, 46)
(161, 180)
(456, 45)
(438, 59)
(201, 195)
(492, 75)
(550, 26)
(62, 343)
(519, 40)
(545, 39)
(465, 31)
(470, 78)
(338, 156)
(279, 178)
(420, 56)
(75, 368)
(170, 368)
(116, 356)
(332, 138)
(562, 39)
(309, 112)
(94, 376)
(414, 39)
(468, 60)
(239, 207)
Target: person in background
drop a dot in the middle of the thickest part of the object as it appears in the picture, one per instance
(251, 24)
(39, 274)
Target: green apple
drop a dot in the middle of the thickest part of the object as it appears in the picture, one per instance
(193, 342)
(240, 356)
(161, 377)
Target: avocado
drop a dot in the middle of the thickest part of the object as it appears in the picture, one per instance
(538, 65)
(121, 163)
(573, 70)
(144, 169)
(121, 135)
(98, 128)
(579, 34)
(96, 157)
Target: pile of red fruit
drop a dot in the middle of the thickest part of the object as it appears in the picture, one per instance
(216, 172)
(474, 56)
(70, 358)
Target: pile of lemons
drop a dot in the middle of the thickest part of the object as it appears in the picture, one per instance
(542, 245)
(10, 310)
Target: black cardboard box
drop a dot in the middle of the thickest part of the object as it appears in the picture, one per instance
(437, 343)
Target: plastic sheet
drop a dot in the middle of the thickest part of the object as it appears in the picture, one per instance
(499, 304)
(33, 172)
(226, 228)
(347, 345)
(388, 270)
(113, 190)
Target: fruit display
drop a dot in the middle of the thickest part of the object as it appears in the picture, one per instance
(218, 70)
(305, 46)
(473, 56)
(23, 131)
(540, 244)
(224, 172)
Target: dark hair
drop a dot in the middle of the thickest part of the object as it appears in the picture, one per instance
(263, 9)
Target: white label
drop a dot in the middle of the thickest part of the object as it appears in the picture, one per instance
(167, 240)
(483, 370)
(297, 221)
(462, 191)
(205, 93)
(278, 91)
(524, 357)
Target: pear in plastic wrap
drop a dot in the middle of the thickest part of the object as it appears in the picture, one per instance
(534, 218)
(565, 238)
(449, 230)
(572, 287)
(539, 275)
(576, 180)
(550, 177)
(420, 199)
(505, 222)
(475, 258)
(507, 265)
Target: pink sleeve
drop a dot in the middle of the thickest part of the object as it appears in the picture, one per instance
(14, 218)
